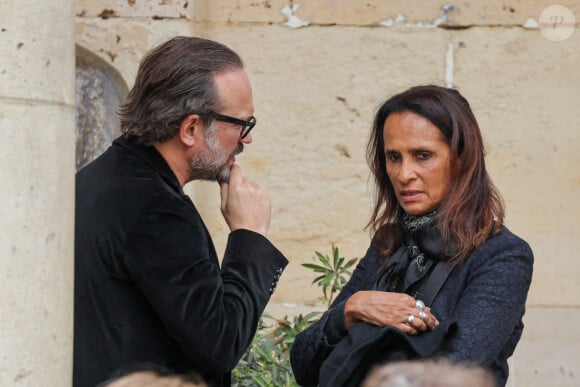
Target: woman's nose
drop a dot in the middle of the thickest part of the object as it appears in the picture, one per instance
(406, 172)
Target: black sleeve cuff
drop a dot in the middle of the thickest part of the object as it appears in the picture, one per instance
(335, 329)
(255, 246)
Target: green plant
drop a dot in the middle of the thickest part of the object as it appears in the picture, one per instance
(335, 273)
(266, 363)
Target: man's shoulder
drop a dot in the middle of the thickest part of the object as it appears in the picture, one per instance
(122, 180)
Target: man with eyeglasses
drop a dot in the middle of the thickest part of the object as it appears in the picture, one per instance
(148, 285)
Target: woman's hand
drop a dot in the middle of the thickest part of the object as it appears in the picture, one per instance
(387, 309)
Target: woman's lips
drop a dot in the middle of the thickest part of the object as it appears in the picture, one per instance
(410, 195)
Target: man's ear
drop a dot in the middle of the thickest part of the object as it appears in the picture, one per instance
(191, 129)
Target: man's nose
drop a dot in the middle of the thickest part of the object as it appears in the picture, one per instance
(246, 140)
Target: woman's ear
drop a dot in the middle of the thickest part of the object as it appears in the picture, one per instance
(190, 129)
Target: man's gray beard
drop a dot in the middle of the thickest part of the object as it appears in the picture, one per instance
(223, 175)
(210, 163)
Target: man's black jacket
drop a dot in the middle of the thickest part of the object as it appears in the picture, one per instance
(148, 284)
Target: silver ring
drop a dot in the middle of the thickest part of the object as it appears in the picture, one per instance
(410, 319)
(422, 315)
(420, 305)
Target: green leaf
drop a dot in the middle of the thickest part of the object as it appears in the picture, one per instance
(350, 262)
(319, 278)
(323, 259)
(258, 379)
(314, 267)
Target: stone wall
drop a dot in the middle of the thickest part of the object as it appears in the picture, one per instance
(319, 69)
(37, 166)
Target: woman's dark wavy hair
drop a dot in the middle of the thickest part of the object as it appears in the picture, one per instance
(473, 208)
(174, 80)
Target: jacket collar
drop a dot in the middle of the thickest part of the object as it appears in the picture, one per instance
(152, 157)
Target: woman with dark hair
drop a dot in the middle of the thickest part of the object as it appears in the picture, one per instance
(435, 206)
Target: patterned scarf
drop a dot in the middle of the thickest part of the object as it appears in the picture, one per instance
(408, 267)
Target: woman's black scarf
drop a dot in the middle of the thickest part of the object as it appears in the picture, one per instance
(407, 268)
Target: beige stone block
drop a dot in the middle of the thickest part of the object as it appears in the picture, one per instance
(547, 354)
(106, 9)
(501, 13)
(29, 68)
(37, 165)
(525, 91)
(124, 42)
(242, 11)
(315, 92)
(396, 13)
(341, 12)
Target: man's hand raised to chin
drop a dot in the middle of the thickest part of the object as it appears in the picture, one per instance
(243, 204)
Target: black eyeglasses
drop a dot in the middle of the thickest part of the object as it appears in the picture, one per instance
(246, 125)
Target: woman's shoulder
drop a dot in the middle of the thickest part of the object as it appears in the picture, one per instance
(506, 239)
(501, 246)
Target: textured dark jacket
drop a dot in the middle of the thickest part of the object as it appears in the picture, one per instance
(486, 296)
(148, 284)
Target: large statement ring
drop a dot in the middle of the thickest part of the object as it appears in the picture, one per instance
(420, 305)
(422, 315)
(410, 319)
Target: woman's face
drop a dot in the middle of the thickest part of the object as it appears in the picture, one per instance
(417, 162)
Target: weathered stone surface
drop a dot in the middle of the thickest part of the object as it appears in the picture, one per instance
(36, 243)
(123, 42)
(37, 195)
(547, 353)
(396, 13)
(525, 91)
(107, 9)
(28, 47)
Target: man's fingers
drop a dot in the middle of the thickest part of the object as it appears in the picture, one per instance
(236, 176)
(224, 187)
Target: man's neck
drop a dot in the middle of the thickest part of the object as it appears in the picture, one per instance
(174, 158)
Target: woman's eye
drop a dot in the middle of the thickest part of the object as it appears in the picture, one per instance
(392, 157)
(423, 155)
